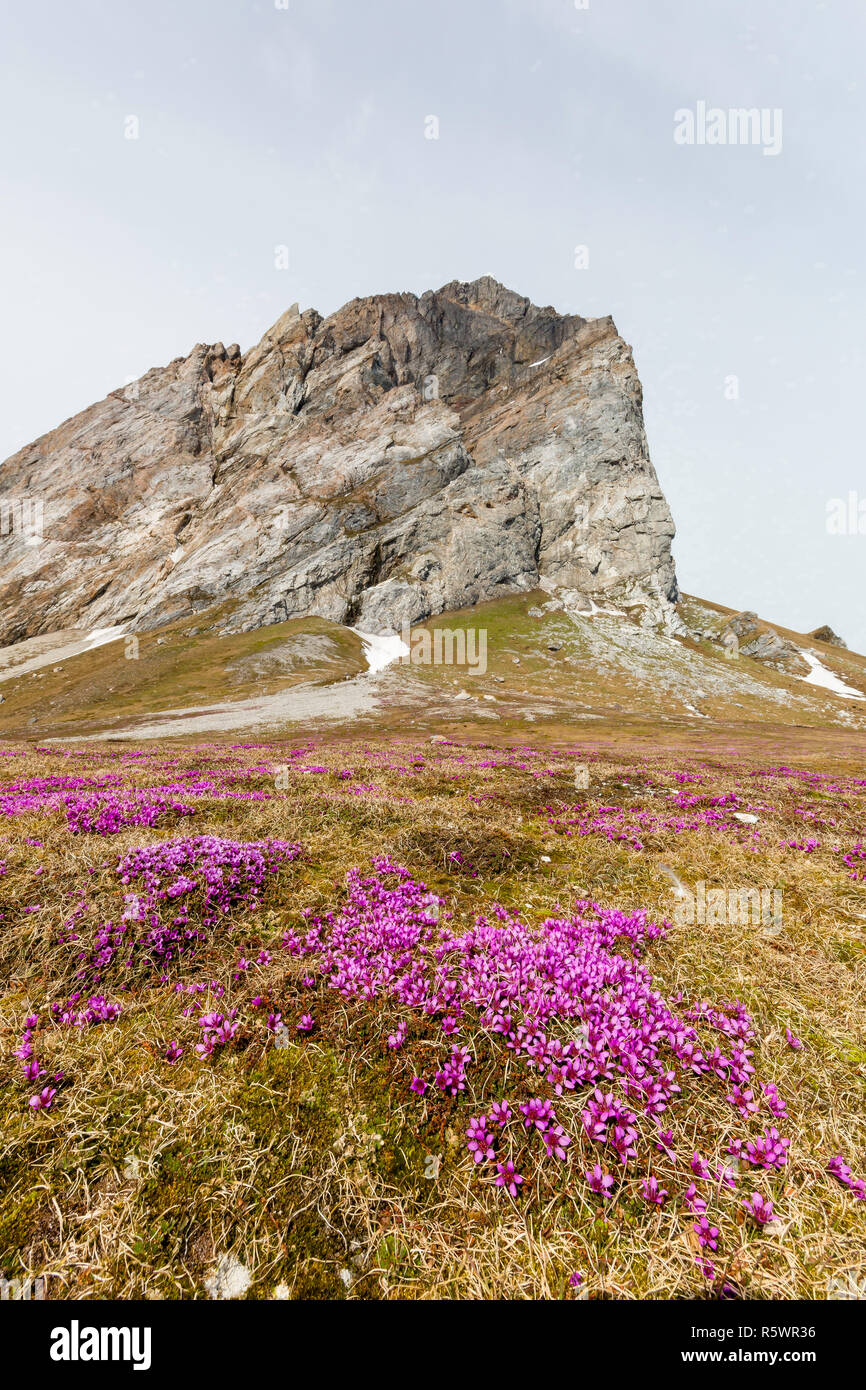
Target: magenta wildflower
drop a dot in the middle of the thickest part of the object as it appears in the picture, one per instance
(708, 1236)
(744, 1101)
(44, 1100)
(770, 1151)
(575, 1279)
(500, 1113)
(773, 1100)
(452, 1077)
(173, 1051)
(306, 1024)
(599, 1182)
(480, 1139)
(761, 1208)
(506, 1177)
(694, 1199)
(556, 1141)
(700, 1167)
(665, 1143)
(652, 1192)
(538, 1114)
(793, 1041)
(418, 1086)
(839, 1168)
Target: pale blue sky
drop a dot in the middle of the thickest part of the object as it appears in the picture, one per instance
(305, 126)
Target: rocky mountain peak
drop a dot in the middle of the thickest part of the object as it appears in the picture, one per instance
(405, 455)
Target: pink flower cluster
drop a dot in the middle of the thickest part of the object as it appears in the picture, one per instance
(571, 998)
(842, 1173)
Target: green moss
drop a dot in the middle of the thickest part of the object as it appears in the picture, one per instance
(18, 1216)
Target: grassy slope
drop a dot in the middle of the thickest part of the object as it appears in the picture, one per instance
(175, 667)
(552, 671)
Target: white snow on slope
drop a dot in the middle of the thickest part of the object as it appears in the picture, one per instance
(98, 636)
(828, 680)
(381, 648)
(17, 660)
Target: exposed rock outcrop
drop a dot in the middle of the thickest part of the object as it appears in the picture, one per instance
(401, 457)
(763, 643)
(826, 634)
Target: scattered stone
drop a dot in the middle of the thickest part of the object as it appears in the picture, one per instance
(746, 818)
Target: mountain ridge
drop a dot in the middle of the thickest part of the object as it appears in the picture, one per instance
(404, 456)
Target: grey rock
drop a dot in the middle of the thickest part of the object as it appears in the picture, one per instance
(405, 456)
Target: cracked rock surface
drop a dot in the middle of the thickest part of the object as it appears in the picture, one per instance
(404, 456)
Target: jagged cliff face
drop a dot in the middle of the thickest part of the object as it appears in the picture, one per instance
(404, 456)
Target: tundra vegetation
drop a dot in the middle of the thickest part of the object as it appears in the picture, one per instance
(401, 1018)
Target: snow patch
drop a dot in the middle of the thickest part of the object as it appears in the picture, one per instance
(98, 636)
(828, 680)
(380, 648)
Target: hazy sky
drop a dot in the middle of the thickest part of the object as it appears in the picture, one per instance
(734, 274)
